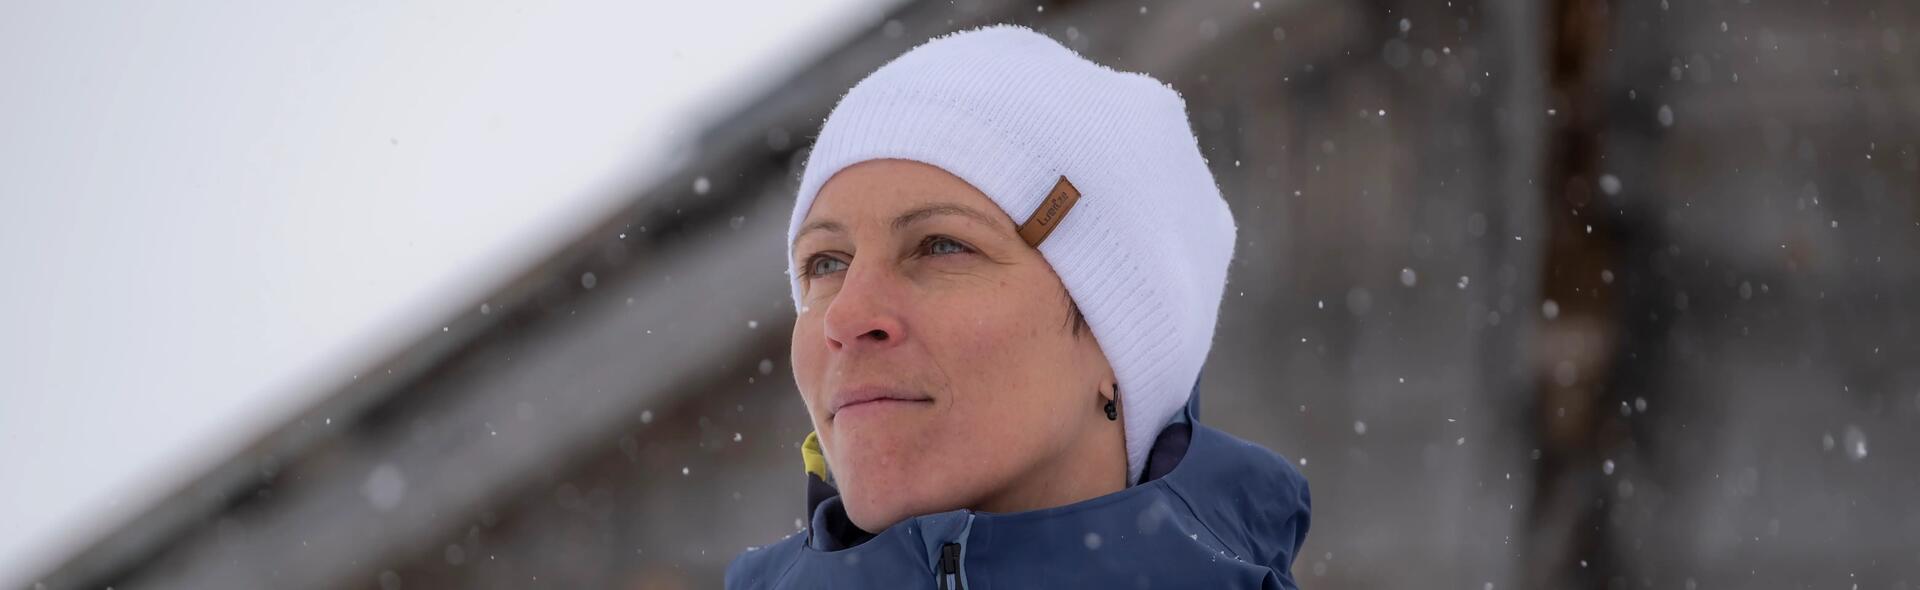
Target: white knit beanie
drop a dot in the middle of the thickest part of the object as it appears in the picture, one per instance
(1143, 250)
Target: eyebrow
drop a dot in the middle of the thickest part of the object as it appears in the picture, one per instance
(904, 219)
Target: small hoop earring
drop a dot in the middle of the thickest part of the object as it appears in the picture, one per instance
(1112, 413)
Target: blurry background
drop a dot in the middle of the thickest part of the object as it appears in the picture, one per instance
(1556, 294)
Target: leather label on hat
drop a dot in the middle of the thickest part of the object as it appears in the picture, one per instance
(1059, 201)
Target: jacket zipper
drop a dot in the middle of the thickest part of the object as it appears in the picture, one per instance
(950, 567)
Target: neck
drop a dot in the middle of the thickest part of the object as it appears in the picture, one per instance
(1094, 465)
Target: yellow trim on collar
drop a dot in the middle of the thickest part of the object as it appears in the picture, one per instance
(815, 459)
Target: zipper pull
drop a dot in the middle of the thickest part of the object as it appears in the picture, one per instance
(949, 578)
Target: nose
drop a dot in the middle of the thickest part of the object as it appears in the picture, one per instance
(863, 314)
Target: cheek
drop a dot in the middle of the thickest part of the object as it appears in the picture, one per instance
(809, 357)
(1004, 335)
(1001, 363)
(1028, 348)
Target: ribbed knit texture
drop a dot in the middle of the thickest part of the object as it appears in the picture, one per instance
(1143, 253)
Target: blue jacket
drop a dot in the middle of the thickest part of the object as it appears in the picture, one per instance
(1211, 511)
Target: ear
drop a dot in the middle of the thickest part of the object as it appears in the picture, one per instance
(1111, 392)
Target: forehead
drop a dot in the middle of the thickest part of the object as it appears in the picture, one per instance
(876, 188)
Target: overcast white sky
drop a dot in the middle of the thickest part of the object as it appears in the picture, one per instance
(209, 211)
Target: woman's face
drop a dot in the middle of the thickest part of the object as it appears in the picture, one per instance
(918, 293)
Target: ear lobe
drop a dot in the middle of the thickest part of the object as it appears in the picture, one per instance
(1114, 397)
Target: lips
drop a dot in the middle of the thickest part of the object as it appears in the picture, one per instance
(871, 395)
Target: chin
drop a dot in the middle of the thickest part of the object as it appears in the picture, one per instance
(874, 518)
(878, 498)
(888, 471)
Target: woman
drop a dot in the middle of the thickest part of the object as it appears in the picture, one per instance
(1007, 263)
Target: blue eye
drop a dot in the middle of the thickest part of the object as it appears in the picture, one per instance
(813, 265)
(934, 243)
